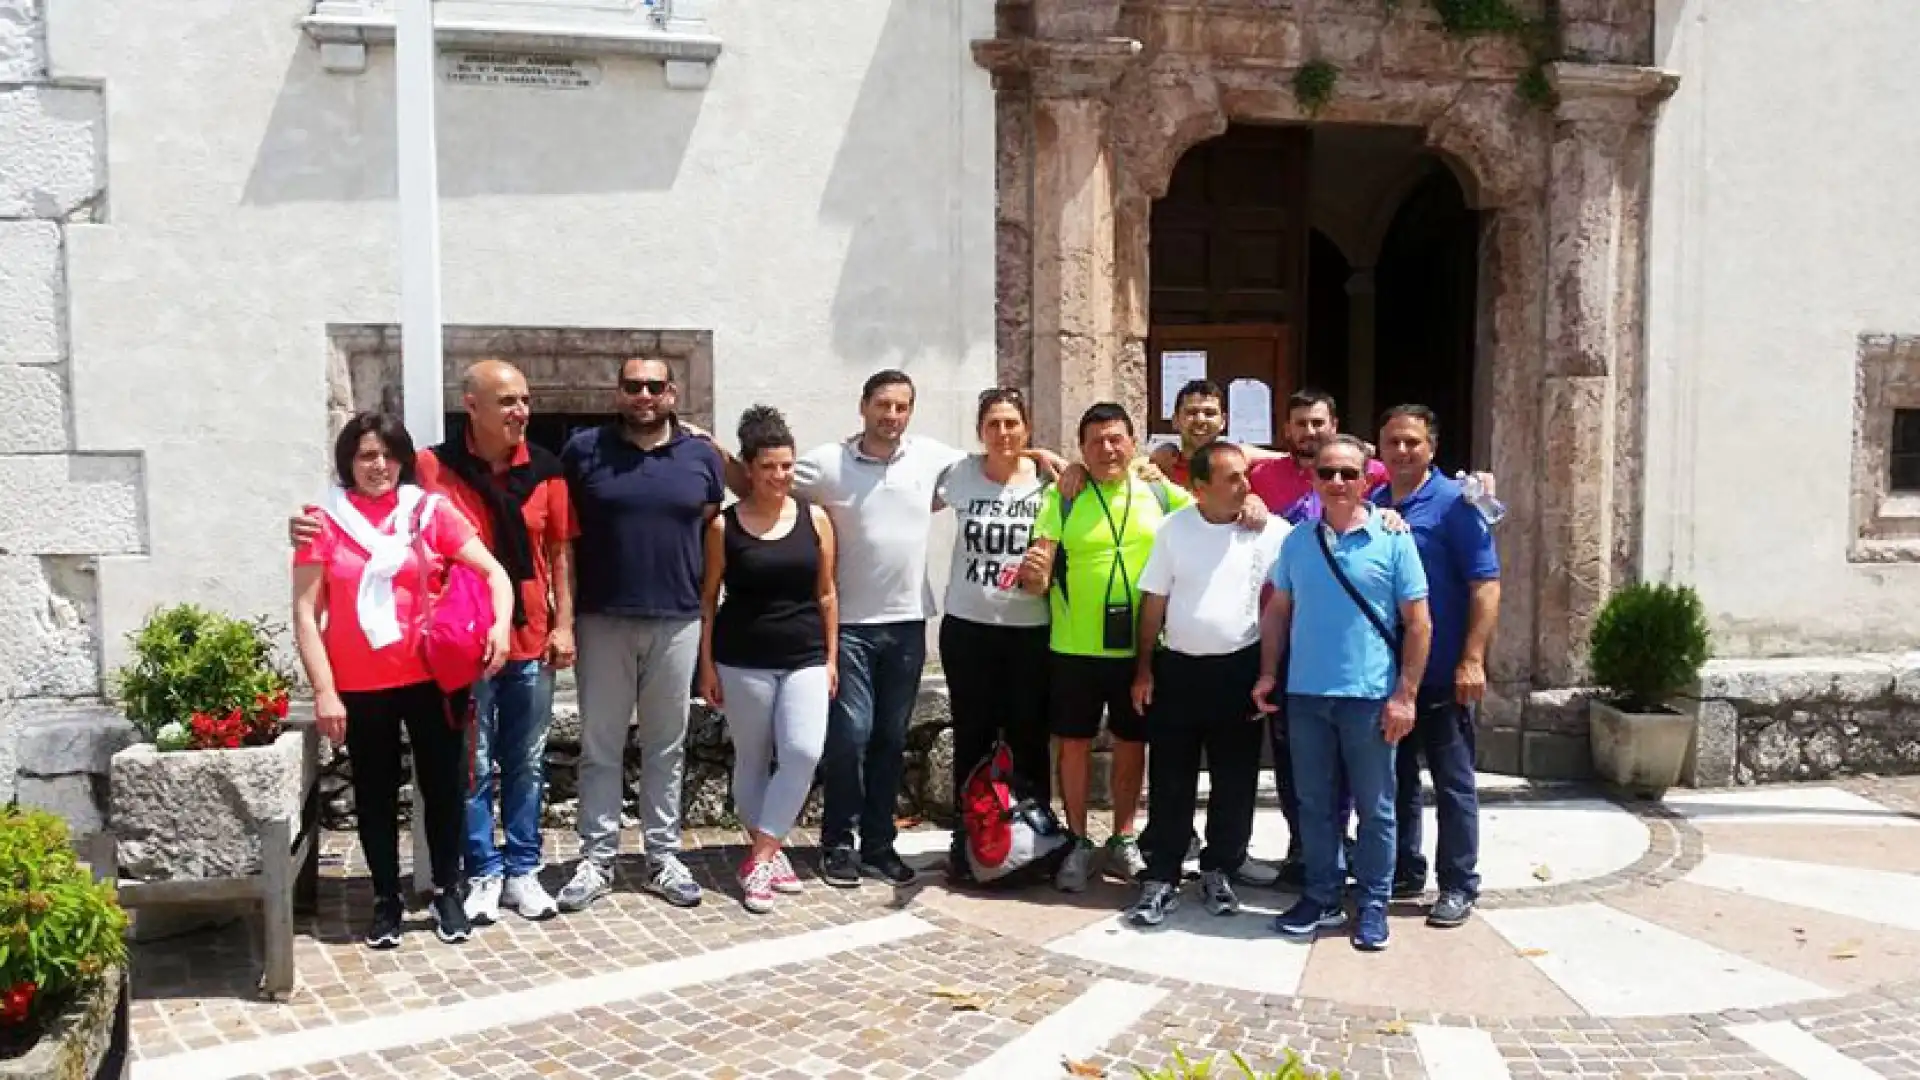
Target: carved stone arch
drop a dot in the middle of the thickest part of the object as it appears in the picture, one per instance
(1179, 113)
(1496, 143)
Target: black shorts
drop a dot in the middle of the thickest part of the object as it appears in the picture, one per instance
(1083, 687)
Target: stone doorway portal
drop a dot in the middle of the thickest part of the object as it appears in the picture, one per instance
(1097, 102)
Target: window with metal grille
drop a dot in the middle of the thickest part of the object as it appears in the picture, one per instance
(1903, 458)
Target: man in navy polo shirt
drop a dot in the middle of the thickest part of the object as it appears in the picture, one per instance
(643, 489)
(1463, 583)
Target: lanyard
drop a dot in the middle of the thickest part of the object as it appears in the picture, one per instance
(1119, 548)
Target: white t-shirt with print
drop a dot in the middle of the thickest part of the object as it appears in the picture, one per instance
(994, 524)
(1211, 576)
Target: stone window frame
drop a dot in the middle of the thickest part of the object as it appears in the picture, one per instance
(568, 369)
(1885, 522)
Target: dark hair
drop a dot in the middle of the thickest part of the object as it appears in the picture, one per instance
(1001, 395)
(661, 360)
(763, 428)
(880, 380)
(1106, 412)
(1415, 412)
(1353, 442)
(1307, 397)
(1198, 388)
(1201, 466)
(384, 426)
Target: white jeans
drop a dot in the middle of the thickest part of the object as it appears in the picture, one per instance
(778, 723)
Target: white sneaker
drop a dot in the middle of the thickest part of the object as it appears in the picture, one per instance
(1256, 873)
(483, 900)
(589, 883)
(1076, 868)
(524, 894)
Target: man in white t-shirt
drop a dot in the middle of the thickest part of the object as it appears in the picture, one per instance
(1202, 585)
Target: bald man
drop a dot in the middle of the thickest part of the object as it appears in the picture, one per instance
(515, 493)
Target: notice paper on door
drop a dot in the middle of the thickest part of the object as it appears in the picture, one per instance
(1249, 412)
(1177, 369)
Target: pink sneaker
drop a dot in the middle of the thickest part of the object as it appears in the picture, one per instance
(784, 879)
(756, 885)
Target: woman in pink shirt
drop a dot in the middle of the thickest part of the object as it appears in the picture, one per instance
(357, 602)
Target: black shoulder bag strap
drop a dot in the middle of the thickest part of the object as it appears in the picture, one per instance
(1333, 564)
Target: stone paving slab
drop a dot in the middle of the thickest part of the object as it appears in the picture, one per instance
(981, 974)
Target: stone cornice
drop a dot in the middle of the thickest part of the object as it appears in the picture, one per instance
(1059, 68)
(1611, 93)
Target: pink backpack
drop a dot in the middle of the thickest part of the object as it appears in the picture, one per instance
(455, 621)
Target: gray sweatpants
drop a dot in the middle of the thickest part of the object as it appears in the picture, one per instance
(774, 716)
(623, 661)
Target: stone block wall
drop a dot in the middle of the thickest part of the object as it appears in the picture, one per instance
(1805, 718)
(62, 504)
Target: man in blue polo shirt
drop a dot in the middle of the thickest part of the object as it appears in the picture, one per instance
(1350, 597)
(643, 489)
(1463, 593)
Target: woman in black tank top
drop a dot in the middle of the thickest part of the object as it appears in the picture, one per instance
(768, 650)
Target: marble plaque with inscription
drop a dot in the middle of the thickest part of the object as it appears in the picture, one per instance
(542, 71)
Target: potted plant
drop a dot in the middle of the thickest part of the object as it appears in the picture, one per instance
(206, 694)
(1648, 645)
(62, 954)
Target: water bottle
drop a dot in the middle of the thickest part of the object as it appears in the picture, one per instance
(1492, 510)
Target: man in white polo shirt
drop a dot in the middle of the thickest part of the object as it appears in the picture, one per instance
(878, 488)
(1202, 586)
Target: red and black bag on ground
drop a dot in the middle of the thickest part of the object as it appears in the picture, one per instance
(1010, 835)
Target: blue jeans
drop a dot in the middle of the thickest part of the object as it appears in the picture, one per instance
(511, 713)
(1443, 736)
(1335, 737)
(867, 732)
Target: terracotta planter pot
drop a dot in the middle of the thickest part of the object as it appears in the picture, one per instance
(1643, 753)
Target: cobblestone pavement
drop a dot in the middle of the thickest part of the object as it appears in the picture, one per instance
(1769, 932)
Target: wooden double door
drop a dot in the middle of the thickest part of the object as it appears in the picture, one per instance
(1228, 274)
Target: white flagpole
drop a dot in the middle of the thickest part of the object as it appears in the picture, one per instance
(421, 380)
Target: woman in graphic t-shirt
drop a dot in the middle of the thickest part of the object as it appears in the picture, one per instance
(993, 638)
(363, 572)
(768, 652)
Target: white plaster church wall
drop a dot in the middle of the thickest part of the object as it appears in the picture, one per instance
(1784, 227)
(824, 207)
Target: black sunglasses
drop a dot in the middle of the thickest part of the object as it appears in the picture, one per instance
(999, 393)
(656, 387)
(1338, 472)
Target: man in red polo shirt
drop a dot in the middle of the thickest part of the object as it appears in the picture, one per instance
(515, 494)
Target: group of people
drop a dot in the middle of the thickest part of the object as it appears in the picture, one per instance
(1172, 598)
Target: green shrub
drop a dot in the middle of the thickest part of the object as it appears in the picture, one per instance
(200, 679)
(1313, 85)
(1182, 1068)
(60, 932)
(1649, 644)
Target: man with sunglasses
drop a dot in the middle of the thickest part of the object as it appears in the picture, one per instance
(644, 488)
(1350, 598)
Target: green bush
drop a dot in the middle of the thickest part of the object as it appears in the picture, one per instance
(1649, 644)
(1182, 1068)
(200, 679)
(60, 932)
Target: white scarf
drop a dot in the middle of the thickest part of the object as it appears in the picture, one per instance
(386, 554)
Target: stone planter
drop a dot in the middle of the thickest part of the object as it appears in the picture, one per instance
(200, 814)
(85, 1042)
(1641, 752)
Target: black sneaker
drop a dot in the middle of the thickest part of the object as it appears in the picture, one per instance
(1409, 888)
(888, 867)
(959, 869)
(1452, 909)
(450, 922)
(839, 868)
(384, 933)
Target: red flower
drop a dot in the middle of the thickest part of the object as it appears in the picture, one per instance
(17, 1002)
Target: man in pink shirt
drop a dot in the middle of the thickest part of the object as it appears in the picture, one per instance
(1285, 484)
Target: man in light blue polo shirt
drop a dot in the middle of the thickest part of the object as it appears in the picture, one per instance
(1463, 581)
(1351, 599)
